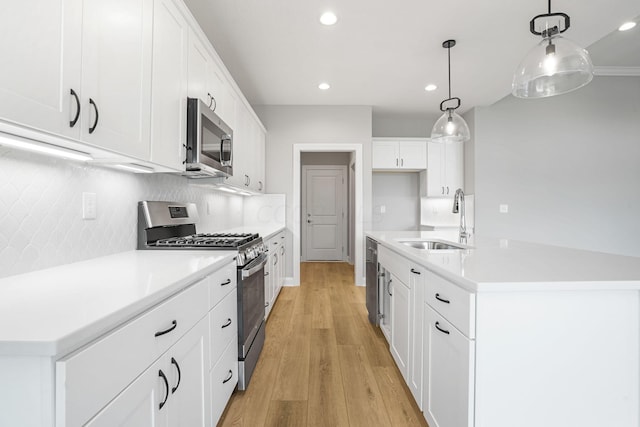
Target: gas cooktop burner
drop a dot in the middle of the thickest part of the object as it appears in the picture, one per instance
(210, 240)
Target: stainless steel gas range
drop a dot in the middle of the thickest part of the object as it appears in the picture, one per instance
(170, 225)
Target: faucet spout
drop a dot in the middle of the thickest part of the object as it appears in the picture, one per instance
(458, 207)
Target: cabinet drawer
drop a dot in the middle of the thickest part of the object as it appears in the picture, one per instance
(453, 303)
(396, 264)
(222, 282)
(223, 324)
(87, 380)
(224, 377)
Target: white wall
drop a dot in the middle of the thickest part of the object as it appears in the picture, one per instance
(41, 221)
(399, 193)
(403, 125)
(289, 125)
(567, 166)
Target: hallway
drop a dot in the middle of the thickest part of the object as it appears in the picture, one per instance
(323, 364)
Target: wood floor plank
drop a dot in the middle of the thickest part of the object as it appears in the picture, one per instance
(364, 400)
(400, 405)
(292, 382)
(284, 413)
(323, 363)
(327, 402)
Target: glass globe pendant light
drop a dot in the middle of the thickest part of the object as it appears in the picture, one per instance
(450, 127)
(555, 66)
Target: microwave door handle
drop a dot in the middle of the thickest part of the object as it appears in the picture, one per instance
(224, 162)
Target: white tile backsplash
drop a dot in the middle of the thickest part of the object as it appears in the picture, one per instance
(41, 221)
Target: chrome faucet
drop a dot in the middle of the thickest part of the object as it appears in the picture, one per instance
(458, 206)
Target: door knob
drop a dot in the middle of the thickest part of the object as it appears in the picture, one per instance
(309, 221)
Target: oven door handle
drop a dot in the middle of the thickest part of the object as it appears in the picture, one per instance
(255, 266)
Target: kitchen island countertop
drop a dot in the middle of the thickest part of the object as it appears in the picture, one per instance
(492, 264)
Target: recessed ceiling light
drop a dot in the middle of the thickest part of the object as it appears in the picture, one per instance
(430, 87)
(627, 26)
(328, 18)
(324, 86)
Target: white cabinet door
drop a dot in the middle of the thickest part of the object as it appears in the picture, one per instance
(413, 154)
(259, 157)
(281, 264)
(116, 74)
(268, 284)
(224, 98)
(139, 404)
(384, 155)
(435, 170)
(400, 324)
(199, 64)
(417, 288)
(188, 368)
(445, 169)
(454, 167)
(448, 374)
(169, 85)
(40, 51)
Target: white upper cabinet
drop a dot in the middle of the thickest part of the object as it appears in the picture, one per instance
(40, 51)
(208, 82)
(112, 77)
(445, 170)
(399, 154)
(248, 152)
(169, 86)
(116, 75)
(199, 64)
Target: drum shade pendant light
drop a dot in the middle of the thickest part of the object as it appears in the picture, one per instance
(556, 65)
(450, 127)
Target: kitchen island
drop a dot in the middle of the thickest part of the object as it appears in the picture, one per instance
(504, 333)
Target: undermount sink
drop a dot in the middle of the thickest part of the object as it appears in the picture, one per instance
(430, 245)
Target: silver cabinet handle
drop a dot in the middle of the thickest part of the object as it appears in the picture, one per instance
(259, 185)
(396, 162)
(401, 162)
(442, 190)
(447, 190)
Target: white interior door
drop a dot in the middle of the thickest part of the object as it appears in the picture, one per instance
(324, 213)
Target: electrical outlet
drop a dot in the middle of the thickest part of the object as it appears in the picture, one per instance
(89, 208)
(504, 208)
(383, 208)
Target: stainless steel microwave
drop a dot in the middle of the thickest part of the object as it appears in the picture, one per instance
(209, 142)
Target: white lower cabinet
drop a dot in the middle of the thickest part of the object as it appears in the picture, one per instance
(416, 300)
(155, 370)
(274, 271)
(223, 380)
(172, 392)
(448, 373)
(400, 324)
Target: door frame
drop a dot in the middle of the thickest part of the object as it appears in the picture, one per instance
(357, 149)
(345, 208)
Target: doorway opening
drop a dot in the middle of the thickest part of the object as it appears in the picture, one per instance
(324, 221)
(330, 238)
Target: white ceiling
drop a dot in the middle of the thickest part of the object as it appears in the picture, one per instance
(383, 53)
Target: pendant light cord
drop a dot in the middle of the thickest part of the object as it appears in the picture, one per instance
(449, 61)
(549, 7)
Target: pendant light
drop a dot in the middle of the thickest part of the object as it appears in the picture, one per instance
(556, 65)
(450, 127)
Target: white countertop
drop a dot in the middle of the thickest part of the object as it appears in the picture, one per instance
(51, 312)
(491, 264)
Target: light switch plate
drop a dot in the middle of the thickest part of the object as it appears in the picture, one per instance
(383, 208)
(504, 208)
(89, 208)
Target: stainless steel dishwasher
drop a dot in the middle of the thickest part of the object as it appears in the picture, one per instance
(372, 281)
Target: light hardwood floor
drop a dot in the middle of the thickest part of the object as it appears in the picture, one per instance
(323, 364)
